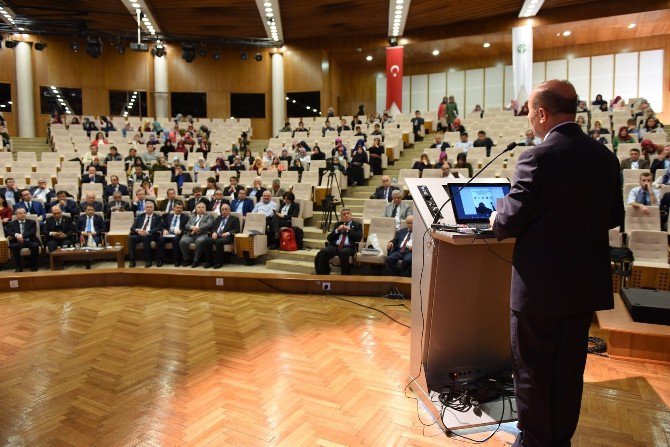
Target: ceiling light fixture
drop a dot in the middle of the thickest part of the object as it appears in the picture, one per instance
(530, 8)
(269, 11)
(436, 52)
(368, 58)
(398, 11)
(486, 45)
(566, 33)
(632, 25)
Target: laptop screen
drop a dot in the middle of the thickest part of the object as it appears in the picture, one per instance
(476, 201)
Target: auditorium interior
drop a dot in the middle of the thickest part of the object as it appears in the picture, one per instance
(175, 177)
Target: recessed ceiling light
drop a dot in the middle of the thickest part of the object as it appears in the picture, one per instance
(632, 25)
(368, 58)
(269, 14)
(22, 29)
(293, 101)
(267, 4)
(398, 7)
(436, 52)
(268, 9)
(566, 33)
(486, 45)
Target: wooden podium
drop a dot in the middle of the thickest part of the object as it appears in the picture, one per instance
(460, 312)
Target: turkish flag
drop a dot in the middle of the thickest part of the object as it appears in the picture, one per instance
(394, 58)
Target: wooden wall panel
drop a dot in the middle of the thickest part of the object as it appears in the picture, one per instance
(8, 75)
(358, 87)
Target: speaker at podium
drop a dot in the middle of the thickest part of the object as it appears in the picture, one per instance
(460, 357)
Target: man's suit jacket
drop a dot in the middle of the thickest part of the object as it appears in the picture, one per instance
(29, 230)
(155, 228)
(70, 207)
(293, 210)
(355, 234)
(36, 208)
(164, 203)
(205, 224)
(656, 165)
(109, 190)
(98, 224)
(97, 207)
(379, 192)
(259, 193)
(122, 206)
(247, 207)
(186, 177)
(97, 179)
(555, 238)
(192, 202)
(167, 221)
(66, 226)
(50, 193)
(232, 225)
(404, 210)
(228, 191)
(398, 239)
(17, 196)
(642, 163)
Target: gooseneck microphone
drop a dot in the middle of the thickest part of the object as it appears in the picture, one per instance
(509, 147)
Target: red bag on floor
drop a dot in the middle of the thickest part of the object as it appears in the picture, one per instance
(287, 240)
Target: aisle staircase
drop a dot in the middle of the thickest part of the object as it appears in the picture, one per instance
(302, 261)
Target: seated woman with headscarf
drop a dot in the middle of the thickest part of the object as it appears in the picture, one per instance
(297, 166)
(456, 126)
(355, 168)
(200, 166)
(317, 154)
(339, 144)
(375, 153)
(219, 166)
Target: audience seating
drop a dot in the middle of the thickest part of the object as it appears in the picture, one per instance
(384, 228)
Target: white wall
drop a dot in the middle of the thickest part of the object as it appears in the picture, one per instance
(630, 75)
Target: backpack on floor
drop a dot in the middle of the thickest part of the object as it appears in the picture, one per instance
(287, 240)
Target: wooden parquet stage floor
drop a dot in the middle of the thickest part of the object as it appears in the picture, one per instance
(172, 367)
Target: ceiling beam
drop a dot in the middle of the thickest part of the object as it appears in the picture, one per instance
(398, 10)
(271, 18)
(148, 21)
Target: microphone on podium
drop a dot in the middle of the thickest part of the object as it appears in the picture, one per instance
(509, 147)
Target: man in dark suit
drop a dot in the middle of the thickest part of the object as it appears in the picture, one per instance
(140, 202)
(385, 191)
(116, 204)
(634, 161)
(113, 187)
(10, 190)
(66, 204)
(145, 230)
(400, 251)
(224, 229)
(197, 198)
(22, 233)
(195, 232)
(58, 230)
(173, 226)
(31, 206)
(42, 191)
(257, 190)
(90, 200)
(233, 188)
(242, 204)
(341, 243)
(179, 177)
(92, 177)
(167, 205)
(90, 224)
(550, 317)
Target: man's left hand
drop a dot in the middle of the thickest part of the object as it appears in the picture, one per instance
(492, 219)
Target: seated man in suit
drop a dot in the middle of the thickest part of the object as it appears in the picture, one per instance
(92, 177)
(439, 144)
(233, 188)
(196, 198)
(167, 205)
(179, 177)
(242, 204)
(257, 190)
(10, 191)
(397, 210)
(145, 229)
(113, 187)
(173, 227)
(58, 230)
(385, 191)
(22, 233)
(140, 202)
(400, 251)
(341, 243)
(66, 204)
(196, 231)
(282, 218)
(42, 191)
(31, 206)
(276, 190)
(224, 229)
(634, 161)
(117, 204)
(90, 201)
(218, 200)
(90, 226)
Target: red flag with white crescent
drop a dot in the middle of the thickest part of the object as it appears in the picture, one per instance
(394, 60)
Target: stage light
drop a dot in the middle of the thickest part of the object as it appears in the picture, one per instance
(94, 47)
(158, 51)
(11, 43)
(244, 56)
(217, 55)
(40, 46)
(258, 57)
(203, 51)
(188, 52)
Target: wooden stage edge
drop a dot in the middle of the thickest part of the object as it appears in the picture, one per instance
(628, 340)
(204, 280)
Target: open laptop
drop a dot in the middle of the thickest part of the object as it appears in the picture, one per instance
(474, 203)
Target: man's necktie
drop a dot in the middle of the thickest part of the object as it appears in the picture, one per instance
(222, 226)
(197, 221)
(30, 207)
(386, 194)
(405, 241)
(168, 208)
(395, 211)
(173, 225)
(147, 219)
(21, 227)
(343, 239)
(645, 198)
(89, 224)
(217, 206)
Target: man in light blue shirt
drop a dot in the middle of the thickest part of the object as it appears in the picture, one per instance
(266, 206)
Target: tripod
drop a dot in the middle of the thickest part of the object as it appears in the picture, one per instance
(329, 204)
